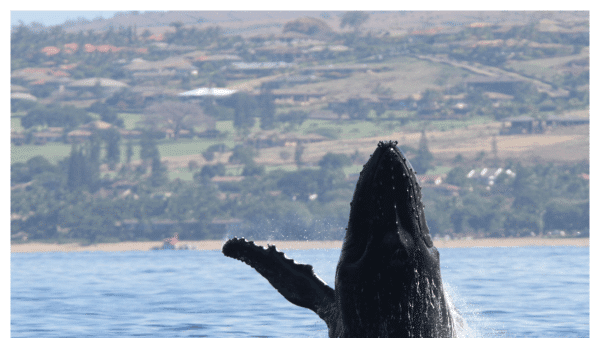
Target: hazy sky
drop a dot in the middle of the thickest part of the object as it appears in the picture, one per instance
(51, 18)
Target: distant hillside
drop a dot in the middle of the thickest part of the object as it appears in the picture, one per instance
(252, 23)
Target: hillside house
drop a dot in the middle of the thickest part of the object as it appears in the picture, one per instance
(78, 136)
(294, 96)
(171, 66)
(521, 125)
(204, 91)
(85, 131)
(527, 125)
(22, 96)
(54, 134)
(89, 85)
(277, 53)
(17, 138)
(567, 120)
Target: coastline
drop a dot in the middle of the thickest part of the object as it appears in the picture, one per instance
(293, 245)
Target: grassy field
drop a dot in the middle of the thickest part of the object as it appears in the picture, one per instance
(52, 151)
(446, 139)
(55, 151)
(406, 76)
(547, 68)
(15, 124)
(130, 120)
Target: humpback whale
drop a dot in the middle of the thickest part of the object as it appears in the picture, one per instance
(388, 281)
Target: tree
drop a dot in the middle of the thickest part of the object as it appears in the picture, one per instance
(294, 119)
(93, 159)
(242, 154)
(129, 152)
(55, 116)
(113, 147)
(495, 150)
(300, 184)
(308, 26)
(298, 154)
(210, 171)
(159, 172)
(354, 19)
(357, 109)
(457, 176)
(422, 162)
(430, 101)
(39, 164)
(244, 108)
(267, 111)
(148, 148)
(252, 169)
(176, 116)
(78, 171)
(106, 114)
(334, 161)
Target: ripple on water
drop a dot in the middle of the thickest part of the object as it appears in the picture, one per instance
(500, 292)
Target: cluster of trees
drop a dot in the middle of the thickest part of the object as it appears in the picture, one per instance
(70, 201)
(55, 115)
(539, 199)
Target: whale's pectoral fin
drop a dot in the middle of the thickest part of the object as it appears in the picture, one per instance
(296, 282)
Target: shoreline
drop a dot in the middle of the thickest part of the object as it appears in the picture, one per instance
(215, 245)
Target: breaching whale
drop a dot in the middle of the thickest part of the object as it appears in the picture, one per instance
(388, 281)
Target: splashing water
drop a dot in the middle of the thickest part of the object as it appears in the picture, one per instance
(479, 328)
(460, 327)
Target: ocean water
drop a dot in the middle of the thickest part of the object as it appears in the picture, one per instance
(500, 292)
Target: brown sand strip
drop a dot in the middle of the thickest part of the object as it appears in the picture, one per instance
(296, 245)
(512, 242)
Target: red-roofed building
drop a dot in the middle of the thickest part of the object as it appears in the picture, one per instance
(69, 66)
(156, 37)
(60, 73)
(431, 31)
(35, 70)
(50, 50)
(107, 48)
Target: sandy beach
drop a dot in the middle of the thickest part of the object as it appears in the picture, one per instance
(294, 245)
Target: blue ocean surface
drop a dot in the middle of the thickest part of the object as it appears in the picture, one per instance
(500, 292)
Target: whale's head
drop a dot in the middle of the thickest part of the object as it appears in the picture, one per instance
(388, 262)
(387, 214)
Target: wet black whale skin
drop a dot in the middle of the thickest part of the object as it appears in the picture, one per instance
(388, 281)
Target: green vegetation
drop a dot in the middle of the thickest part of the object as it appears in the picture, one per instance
(538, 199)
(53, 151)
(88, 161)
